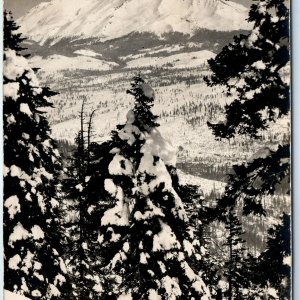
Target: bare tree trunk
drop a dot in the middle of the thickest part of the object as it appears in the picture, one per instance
(89, 138)
(81, 206)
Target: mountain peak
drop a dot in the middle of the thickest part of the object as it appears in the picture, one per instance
(109, 19)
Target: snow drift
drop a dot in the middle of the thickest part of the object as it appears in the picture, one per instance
(11, 296)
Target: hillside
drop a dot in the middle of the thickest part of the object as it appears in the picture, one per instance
(107, 20)
(183, 102)
(99, 71)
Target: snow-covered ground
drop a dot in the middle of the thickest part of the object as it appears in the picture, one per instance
(183, 101)
(112, 19)
(179, 61)
(206, 185)
(12, 296)
(87, 52)
(169, 49)
(159, 49)
(84, 61)
(108, 94)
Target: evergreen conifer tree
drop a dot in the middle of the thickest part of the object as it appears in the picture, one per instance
(234, 265)
(274, 264)
(254, 71)
(84, 206)
(11, 39)
(199, 215)
(251, 69)
(146, 244)
(74, 224)
(32, 262)
(74, 183)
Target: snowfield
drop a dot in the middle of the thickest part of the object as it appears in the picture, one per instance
(87, 52)
(178, 61)
(55, 63)
(112, 19)
(11, 296)
(206, 185)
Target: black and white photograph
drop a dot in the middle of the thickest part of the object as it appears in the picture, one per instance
(147, 150)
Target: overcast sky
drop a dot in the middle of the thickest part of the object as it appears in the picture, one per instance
(20, 7)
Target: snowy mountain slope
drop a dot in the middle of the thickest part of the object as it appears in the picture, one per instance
(179, 61)
(88, 60)
(108, 94)
(109, 19)
(59, 62)
(87, 52)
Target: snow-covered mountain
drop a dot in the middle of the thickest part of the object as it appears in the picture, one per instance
(109, 19)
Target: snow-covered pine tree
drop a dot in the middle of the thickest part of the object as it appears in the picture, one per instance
(198, 211)
(32, 264)
(251, 69)
(234, 265)
(254, 70)
(144, 236)
(82, 210)
(274, 264)
(74, 221)
(96, 203)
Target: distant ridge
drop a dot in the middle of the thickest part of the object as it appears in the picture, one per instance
(110, 19)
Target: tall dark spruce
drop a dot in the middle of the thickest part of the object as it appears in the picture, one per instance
(234, 265)
(270, 272)
(11, 39)
(144, 238)
(275, 262)
(83, 211)
(74, 222)
(33, 265)
(254, 70)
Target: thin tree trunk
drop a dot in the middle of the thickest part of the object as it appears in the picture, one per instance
(81, 206)
(230, 258)
(89, 138)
